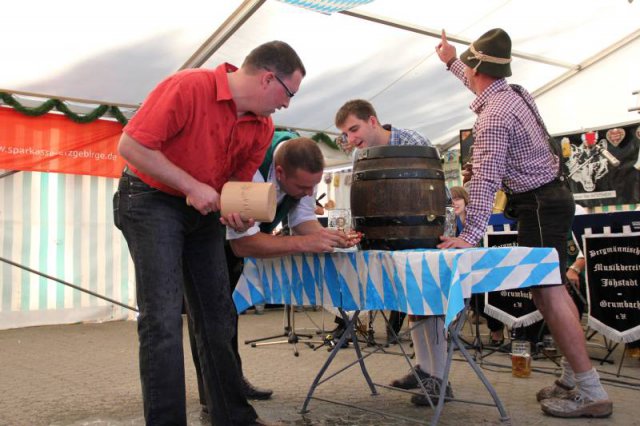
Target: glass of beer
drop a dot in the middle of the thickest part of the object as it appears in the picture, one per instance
(520, 358)
(450, 223)
(340, 219)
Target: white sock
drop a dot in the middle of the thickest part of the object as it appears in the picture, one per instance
(435, 337)
(567, 377)
(420, 346)
(589, 385)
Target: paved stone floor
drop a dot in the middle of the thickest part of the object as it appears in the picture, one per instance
(87, 374)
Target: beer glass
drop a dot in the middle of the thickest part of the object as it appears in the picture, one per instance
(339, 219)
(520, 358)
(450, 223)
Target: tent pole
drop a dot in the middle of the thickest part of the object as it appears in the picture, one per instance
(115, 302)
(587, 63)
(437, 34)
(9, 173)
(222, 33)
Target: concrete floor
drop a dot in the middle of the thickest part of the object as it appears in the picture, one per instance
(87, 374)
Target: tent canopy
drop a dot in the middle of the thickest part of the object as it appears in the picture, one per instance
(579, 57)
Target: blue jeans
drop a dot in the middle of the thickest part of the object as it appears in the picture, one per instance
(179, 253)
(545, 216)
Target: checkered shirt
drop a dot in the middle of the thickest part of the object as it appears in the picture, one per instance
(510, 150)
(406, 137)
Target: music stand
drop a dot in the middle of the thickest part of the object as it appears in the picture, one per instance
(292, 336)
(366, 333)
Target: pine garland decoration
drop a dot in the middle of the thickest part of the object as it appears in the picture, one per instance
(325, 139)
(50, 104)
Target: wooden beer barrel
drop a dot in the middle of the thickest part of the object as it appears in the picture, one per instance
(398, 198)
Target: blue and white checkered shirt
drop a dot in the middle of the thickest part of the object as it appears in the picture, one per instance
(510, 149)
(406, 137)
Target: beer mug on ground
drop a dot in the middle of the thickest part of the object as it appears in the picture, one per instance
(548, 345)
(520, 358)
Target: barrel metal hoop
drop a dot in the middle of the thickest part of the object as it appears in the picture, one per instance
(362, 154)
(398, 151)
(377, 221)
(381, 174)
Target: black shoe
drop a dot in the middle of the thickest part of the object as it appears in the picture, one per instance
(204, 414)
(432, 385)
(409, 381)
(252, 392)
(338, 332)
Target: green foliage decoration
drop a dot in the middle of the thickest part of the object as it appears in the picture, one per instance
(60, 106)
(325, 139)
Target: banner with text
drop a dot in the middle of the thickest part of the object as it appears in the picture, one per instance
(515, 308)
(613, 275)
(54, 143)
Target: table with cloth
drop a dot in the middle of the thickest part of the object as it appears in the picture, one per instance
(419, 282)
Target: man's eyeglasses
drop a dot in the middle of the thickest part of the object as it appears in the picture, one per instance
(289, 93)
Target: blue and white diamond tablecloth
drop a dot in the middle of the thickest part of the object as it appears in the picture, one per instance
(421, 282)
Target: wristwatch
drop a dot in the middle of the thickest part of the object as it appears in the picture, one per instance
(574, 269)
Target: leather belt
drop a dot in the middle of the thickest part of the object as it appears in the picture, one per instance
(127, 171)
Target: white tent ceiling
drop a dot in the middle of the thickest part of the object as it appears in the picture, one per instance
(118, 51)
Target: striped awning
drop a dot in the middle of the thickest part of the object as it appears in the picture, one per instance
(327, 6)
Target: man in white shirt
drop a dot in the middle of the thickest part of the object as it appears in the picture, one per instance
(296, 170)
(295, 167)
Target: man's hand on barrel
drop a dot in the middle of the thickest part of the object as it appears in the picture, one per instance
(453, 242)
(234, 221)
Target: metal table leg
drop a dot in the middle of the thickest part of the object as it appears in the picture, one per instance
(349, 331)
(454, 339)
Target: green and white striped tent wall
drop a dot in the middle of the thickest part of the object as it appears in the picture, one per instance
(61, 225)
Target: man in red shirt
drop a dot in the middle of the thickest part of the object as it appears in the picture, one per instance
(196, 130)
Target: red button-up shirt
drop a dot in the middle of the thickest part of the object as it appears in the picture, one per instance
(192, 119)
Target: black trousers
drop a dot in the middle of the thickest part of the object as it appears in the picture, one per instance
(234, 267)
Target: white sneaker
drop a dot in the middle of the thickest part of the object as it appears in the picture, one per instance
(578, 406)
